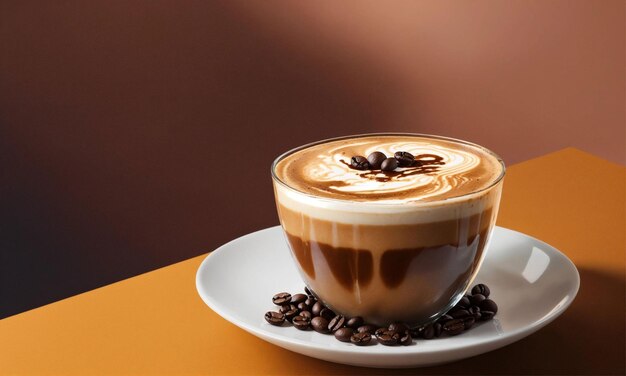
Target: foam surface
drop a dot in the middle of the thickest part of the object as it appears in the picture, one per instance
(322, 170)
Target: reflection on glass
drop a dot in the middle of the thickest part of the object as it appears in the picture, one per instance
(537, 264)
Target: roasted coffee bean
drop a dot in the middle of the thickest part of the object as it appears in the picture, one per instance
(361, 339)
(395, 334)
(464, 303)
(488, 305)
(327, 313)
(298, 298)
(319, 324)
(287, 307)
(380, 331)
(404, 158)
(461, 313)
(344, 334)
(367, 328)
(389, 164)
(388, 338)
(476, 299)
(281, 298)
(354, 322)
(406, 339)
(398, 327)
(437, 328)
(301, 322)
(454, 327)
(303, 307)
(359, 163)
(289, 310)
(428, 332)
(306, 314)
(289, 315)
(443, 319)
(474, 312)
(376, 159)
(336, 323)
(310, 302)
(308, 291)
(481, 289)
(317, 308)
(275, 318)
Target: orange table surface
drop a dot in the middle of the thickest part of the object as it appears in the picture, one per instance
(156, 323)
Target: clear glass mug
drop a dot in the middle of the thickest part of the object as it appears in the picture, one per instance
(388, 262)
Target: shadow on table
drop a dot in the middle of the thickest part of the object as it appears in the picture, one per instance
(589, 338)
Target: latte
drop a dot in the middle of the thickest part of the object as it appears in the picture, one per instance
(398, 245)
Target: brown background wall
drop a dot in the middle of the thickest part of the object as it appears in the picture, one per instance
(134, 134)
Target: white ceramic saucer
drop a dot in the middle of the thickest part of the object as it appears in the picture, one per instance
(532, 282)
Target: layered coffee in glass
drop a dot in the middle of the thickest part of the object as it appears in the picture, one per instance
(401, 245)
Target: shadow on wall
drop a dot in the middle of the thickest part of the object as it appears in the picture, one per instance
(139, 134)
(523, 78)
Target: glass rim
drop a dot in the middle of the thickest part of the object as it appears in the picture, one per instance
(377, 203)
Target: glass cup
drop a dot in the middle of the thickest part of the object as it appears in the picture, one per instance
(388, 262)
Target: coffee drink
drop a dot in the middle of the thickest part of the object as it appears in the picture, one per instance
(397, 244)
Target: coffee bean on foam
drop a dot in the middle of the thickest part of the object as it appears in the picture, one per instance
(404, 158)
(359, 163)
(389, 164)
(461, 318)
(376, 159)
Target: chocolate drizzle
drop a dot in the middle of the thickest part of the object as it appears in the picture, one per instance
(423, 164)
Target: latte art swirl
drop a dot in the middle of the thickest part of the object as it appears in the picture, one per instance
(444, 169)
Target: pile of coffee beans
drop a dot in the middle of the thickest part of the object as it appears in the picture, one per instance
(305, 312)
(379, 161)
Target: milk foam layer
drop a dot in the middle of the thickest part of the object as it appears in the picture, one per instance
(389, 212)
(323, 170)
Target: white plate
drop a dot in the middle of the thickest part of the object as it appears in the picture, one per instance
(532, 282)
